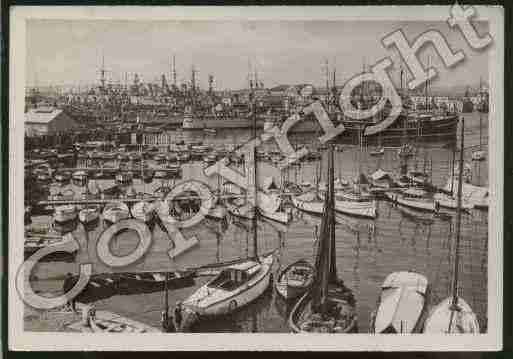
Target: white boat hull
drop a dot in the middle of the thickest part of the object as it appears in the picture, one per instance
(278, 216)
(115, 212)
(213, 302)
(67, 214)
(429, 205)
(402, 302)
(464, 321)
(360, 209)
(217, 212)
(87, 216)
(447, 201)
(143, 211)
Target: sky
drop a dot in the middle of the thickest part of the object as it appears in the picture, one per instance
(283, 52)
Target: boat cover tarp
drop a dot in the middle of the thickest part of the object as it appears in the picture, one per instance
(402, 301)
(409, 279)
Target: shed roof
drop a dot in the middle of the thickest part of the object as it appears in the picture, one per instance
(42, 114)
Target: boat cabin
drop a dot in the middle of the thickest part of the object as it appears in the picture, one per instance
(415, 193)
(235, 276)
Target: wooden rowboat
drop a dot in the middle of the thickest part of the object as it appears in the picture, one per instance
(144, 211)
(65, 213)
(104, 322)
(115, 212)
(295, 280)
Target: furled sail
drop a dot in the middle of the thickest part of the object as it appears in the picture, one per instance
(325, 262)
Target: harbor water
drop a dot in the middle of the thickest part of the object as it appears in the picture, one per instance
(367, 250)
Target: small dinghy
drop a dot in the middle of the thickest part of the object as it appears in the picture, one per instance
(115, 212)
(161, 174)
(159, 158)
(406, 150)
(401, 304)
(218, 211)
(478, 155)
(79, 178)
(65, 213)
(104, 322)
(234, 287)
(145, 211)
(155, 281)
(62, 177)
(147, 175)
(89, 215)
(295, 280)
(36, 242)
(378, 152)
(124, 178)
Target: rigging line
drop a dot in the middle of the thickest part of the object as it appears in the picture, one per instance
(472, 288)
(444, 247)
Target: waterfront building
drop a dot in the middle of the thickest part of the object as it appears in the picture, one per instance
(48, 121)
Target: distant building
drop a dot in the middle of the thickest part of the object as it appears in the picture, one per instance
(47, 120)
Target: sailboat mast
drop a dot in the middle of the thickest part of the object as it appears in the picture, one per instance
(454, 305)
(166, 298)
(453, 159)
(253, 165)
(331, 215)
(480, 116)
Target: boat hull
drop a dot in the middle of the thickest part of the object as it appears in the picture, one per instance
(302, 304)
(291, 291)
(401, 305)
(243, 296)
(464, 320)
(365, 209)
(430, 206)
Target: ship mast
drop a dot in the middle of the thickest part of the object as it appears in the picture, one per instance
(174, 71)
(454, 305)
(426, 86)
(480, 116)
(102, 73)
(252, 165)
(327, 85)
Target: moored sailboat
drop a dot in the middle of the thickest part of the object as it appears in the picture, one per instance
(329, 306)
(454, 315)
(309, 202)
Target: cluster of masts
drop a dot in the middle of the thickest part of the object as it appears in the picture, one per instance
(106, 85)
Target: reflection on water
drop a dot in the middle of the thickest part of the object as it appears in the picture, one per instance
(367, 250)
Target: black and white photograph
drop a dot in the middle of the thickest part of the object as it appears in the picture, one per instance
(284, 173)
